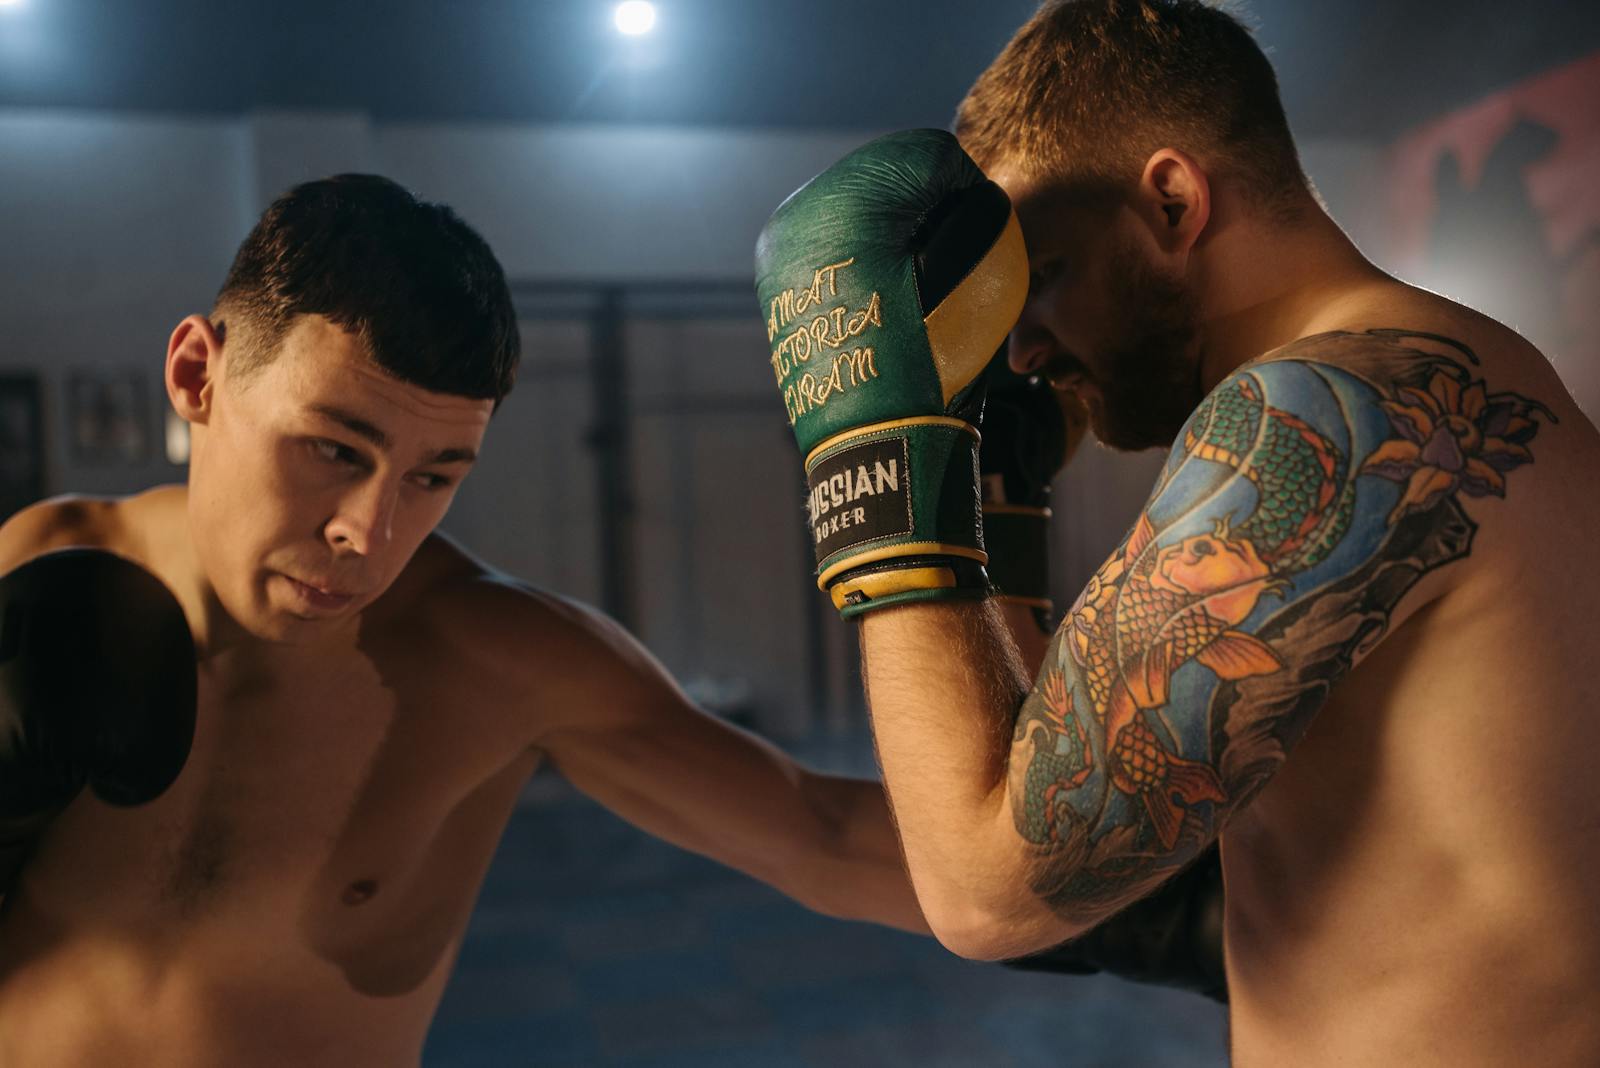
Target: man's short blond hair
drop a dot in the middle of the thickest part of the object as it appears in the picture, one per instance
(1087, 90)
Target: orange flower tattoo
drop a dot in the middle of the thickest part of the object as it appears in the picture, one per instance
(1453, 437)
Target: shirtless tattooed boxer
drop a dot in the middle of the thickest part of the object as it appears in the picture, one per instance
(1348, 635)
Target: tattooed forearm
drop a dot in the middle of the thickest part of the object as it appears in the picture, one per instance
(1305, 496)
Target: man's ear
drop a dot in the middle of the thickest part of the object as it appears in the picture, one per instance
(1174, 199)
(194, 359)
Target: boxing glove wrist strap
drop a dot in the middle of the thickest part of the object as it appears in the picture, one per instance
(893, 510)
(905, 580)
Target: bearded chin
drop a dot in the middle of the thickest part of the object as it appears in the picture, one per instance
(1153, 384)
(1147, 406)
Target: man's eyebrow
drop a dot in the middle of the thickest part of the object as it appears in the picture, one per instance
(452, 456)
(353, 423)
(359, 426)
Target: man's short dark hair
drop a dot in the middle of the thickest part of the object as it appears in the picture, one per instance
(418, 286)
(1088, 90)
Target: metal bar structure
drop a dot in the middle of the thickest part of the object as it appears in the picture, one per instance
(609, 400)
(607, 306)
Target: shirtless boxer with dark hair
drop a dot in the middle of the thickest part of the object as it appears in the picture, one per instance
(371, 699)
(1348, 635)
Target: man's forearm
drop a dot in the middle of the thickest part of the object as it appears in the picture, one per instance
(857, 871)
(944, 683)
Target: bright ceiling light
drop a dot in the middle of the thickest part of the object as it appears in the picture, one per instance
(18, 3)
(634, 18)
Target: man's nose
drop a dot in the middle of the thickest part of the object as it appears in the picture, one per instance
(364, 522)
(1028, 347)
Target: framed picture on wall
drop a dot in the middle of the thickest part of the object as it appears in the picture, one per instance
(21, 442)
(108, 416)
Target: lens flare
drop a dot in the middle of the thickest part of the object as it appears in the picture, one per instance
(635, 17)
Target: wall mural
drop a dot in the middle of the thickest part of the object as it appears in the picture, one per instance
(1495, 205)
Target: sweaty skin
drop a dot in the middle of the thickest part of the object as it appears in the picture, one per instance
(299, 895)
(1380, 704)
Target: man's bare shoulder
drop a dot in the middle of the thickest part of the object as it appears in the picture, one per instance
(1401, 338)
(61, 523)
(548, 653)
(1471, 412)
(1386, 332)
(139, 526)
(449, 586)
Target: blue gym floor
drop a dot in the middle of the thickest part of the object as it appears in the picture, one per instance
(593, 944)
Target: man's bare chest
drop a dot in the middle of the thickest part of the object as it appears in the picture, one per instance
(314, 799)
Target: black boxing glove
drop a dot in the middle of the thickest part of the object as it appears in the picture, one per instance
(1173, 937)
(1029, 433)
(97, 689)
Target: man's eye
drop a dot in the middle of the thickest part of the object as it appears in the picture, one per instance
(432, 482)
(1040, 277)
(332, 452)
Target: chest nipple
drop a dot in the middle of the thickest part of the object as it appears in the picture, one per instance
(359, 892)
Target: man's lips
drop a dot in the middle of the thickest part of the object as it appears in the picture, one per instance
(321, 595)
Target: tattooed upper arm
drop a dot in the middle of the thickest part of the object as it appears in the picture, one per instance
(1302, 501)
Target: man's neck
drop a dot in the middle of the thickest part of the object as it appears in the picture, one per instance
(1267, 286)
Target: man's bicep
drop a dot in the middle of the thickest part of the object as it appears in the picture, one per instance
(1290, 529)
(633, 741)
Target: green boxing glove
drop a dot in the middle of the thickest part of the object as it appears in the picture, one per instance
(887, 283)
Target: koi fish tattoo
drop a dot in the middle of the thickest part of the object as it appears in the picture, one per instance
(1305, 496)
